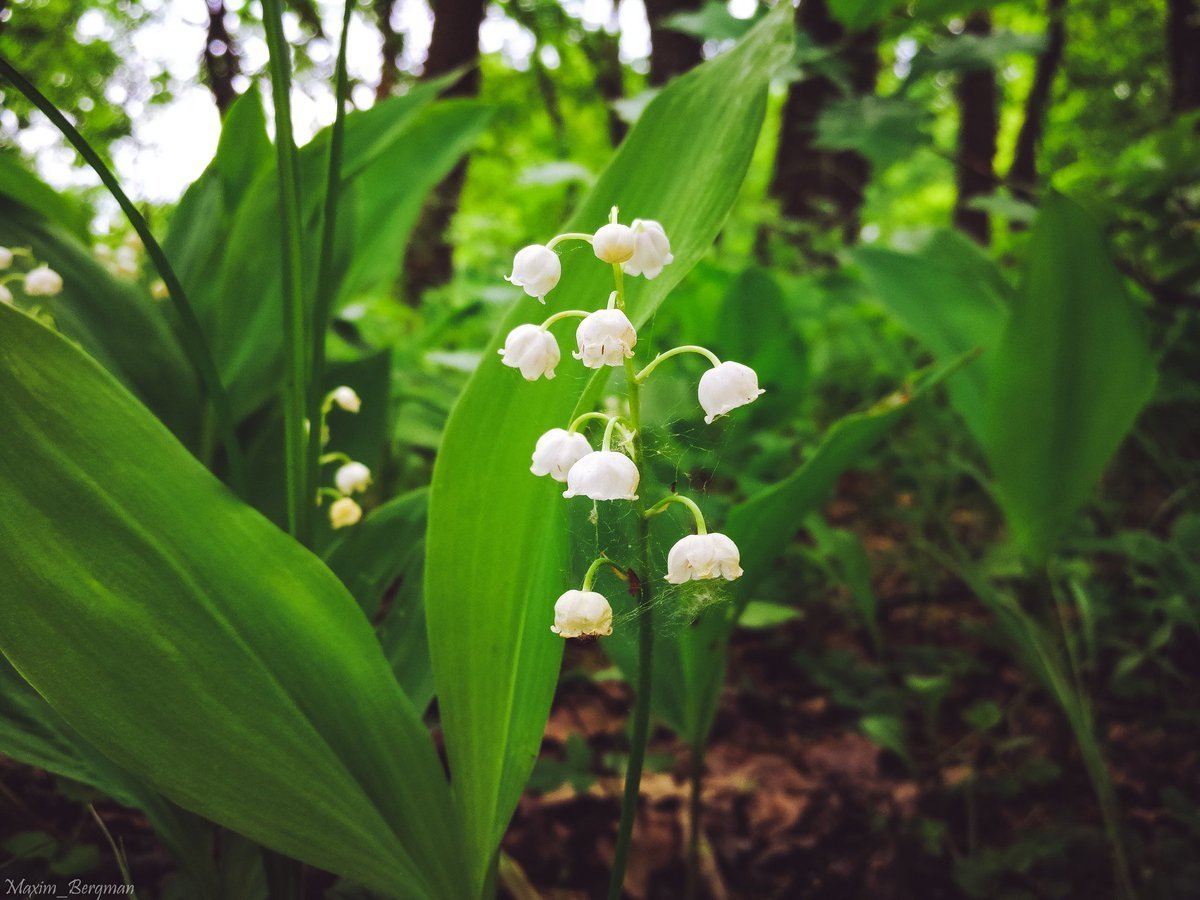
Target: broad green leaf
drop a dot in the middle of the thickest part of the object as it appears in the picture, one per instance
(970, 52)
(857, 15)
(761, 614)
(1070, 377)
(882, 129)
(21, 185)
(196, 645)
(711, 22)
(497, 545)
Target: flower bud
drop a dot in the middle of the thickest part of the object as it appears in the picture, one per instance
(613, 243)
(651, 249)
(158, 290)
(344, 512)
(352, 478)
(42, 282)
(536, 268)
(347, 399)
(605, 338)
(582, 614)
(557, 451)
(5, 295)
(6, 257)
(603, 475)
(727, 387)
(701, 556)
(531, 349)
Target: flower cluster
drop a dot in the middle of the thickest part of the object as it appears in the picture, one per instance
(350, 477)
(35, 282)
(607, 337)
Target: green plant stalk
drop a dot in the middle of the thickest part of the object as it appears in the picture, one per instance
(191, 334)
(645, 615)
(695, 809)
(295, 380)
(323, 303)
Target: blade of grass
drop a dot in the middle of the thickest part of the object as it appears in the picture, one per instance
(191, 335)
(296, 363)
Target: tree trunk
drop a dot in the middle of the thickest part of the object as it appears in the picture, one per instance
(603, 51)
(392, 47)
(1183, 53)
(823, 188)
(221, 63)
(978, 124)
(429, 260)
(672, 52)
(1022, 175)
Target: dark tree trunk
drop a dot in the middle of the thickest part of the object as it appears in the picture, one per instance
(221, 63)
(1022, 175)
(429, 260)
(978, 124)
(604, 52)
(672, 52)
(824, 188)
(392, 47)
(1183, 53)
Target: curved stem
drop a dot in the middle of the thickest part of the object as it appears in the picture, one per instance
(612, 299)
(569, 236)
(565, 314)
(587, 417)
(686, 348)
(190, 335)
(662, 504)
(619, 277)
(590, 574)
(608, 430)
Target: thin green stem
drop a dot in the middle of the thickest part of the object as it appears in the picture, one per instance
(695, 815)
(190, 335)
(662, 504)
(590, 574)
(608, 430)
(612, 299)
(296, 363)
(619, 278)
(569, 236)
(326, 287)
(565, 314)
(686, 348)
(587, 417)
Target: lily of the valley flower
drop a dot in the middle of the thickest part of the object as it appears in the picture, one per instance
(557, 451)
(5, 295)
(603, 475)
(614, 243)
(42, 282)
(582, 614)
(651, 249)
(344, 512)
(605, 338)
(536, 268)
(531, 349)
(6, 257)
(346, 398)
(702, 556)
(726, 387)
(352, 478)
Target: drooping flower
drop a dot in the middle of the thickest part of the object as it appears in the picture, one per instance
(5, 295)
(536, 268)
(42, 282)
(605, 338)
(344, 512)
(531, 349)
(557, 451)
(613, 243)
(727, 387)
(346, 398)
(6, 257)
(700, 556)
(651, 249)
(582, 614)
(352, 478)
(603, 475)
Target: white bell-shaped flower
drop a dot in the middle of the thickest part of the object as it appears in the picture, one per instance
(727, 387)
(557, 451)
(582, 614)
(5, 295)
(531, 349)
(6, 257)
(651, 249)
(700, 556)
(344, 512)
(536, 268)
(603, 475)
(352, 478)
(614, 243)
(42, 282)
(346, 398)
(605, 338)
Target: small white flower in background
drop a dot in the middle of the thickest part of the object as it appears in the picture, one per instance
(42, 282)
(6, 257)
(582, 614)
(700, 556)
(352, 478)
(651, 249)
(346, 398)
(158, 290)
(727, 387)
(536, 268)
(557, 451)
(605, 338)
(603, 475)
(126, 261)
(344, 512)
(532, 350)
(613, 243)
(5, 295)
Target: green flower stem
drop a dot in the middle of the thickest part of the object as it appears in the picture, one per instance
(587, 417)
(686, 348)
(565, 314)
(612, 299)
(338, 456)
(608, 430)
(662, 504)
(190, 335)
(590, 574)
(569, 236)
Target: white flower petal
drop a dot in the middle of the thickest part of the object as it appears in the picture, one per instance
(582, 614)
